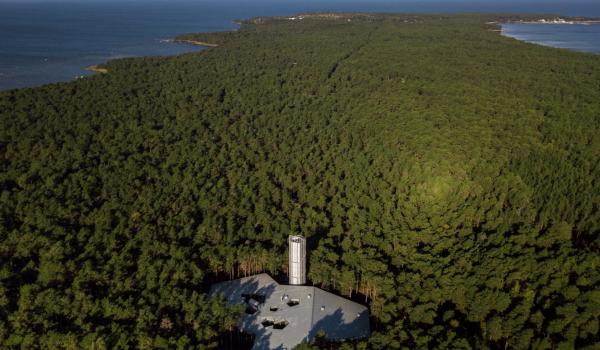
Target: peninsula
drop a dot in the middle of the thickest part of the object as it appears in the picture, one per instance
(446, 179)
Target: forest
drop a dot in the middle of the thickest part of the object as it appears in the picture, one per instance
(444, 175)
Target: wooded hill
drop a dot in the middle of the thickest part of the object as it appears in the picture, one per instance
(447, 176)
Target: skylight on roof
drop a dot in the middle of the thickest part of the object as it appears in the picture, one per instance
(267, 322)
(280, 324)
(276, 324)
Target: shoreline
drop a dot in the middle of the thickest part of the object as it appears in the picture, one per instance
(558, 21)
(587, 48)
(194, 42)
(497, 27)
(96, 69)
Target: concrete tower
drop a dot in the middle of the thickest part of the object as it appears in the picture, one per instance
(297, 270)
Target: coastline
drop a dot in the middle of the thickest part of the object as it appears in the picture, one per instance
(559, 20)
(97, 69)
(556, 34)
(194, 42)
(495, 26)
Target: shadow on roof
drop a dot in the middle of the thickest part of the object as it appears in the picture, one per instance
(335, 328)
(241, 291)
(350, 321)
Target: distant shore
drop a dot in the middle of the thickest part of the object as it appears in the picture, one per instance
(561, 21)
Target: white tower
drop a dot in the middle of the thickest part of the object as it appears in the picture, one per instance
(297, 272)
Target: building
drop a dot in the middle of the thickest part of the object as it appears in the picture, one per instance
(282, 316)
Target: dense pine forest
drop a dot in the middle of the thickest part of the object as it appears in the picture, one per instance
(446, 176)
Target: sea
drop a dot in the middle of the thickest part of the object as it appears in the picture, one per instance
(46, 41)
(575, 36)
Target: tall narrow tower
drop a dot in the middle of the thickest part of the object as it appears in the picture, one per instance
(297, 271)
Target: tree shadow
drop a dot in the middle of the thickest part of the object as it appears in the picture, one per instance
(338, 326)
(336, 317)
(253, 292)
(238, 291)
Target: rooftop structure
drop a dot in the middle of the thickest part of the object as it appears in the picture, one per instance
(282, 316)
(297, 260)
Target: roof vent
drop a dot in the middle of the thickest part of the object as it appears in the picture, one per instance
(276, 324)
(253, 302)
(281, 324)
(251, 310)
(267, 322)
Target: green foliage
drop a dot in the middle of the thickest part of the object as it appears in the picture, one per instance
(446, 175)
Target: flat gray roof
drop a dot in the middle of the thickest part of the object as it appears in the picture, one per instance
(316, 310)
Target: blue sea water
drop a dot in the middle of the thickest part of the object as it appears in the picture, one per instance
(577, 37)
(44, 41)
